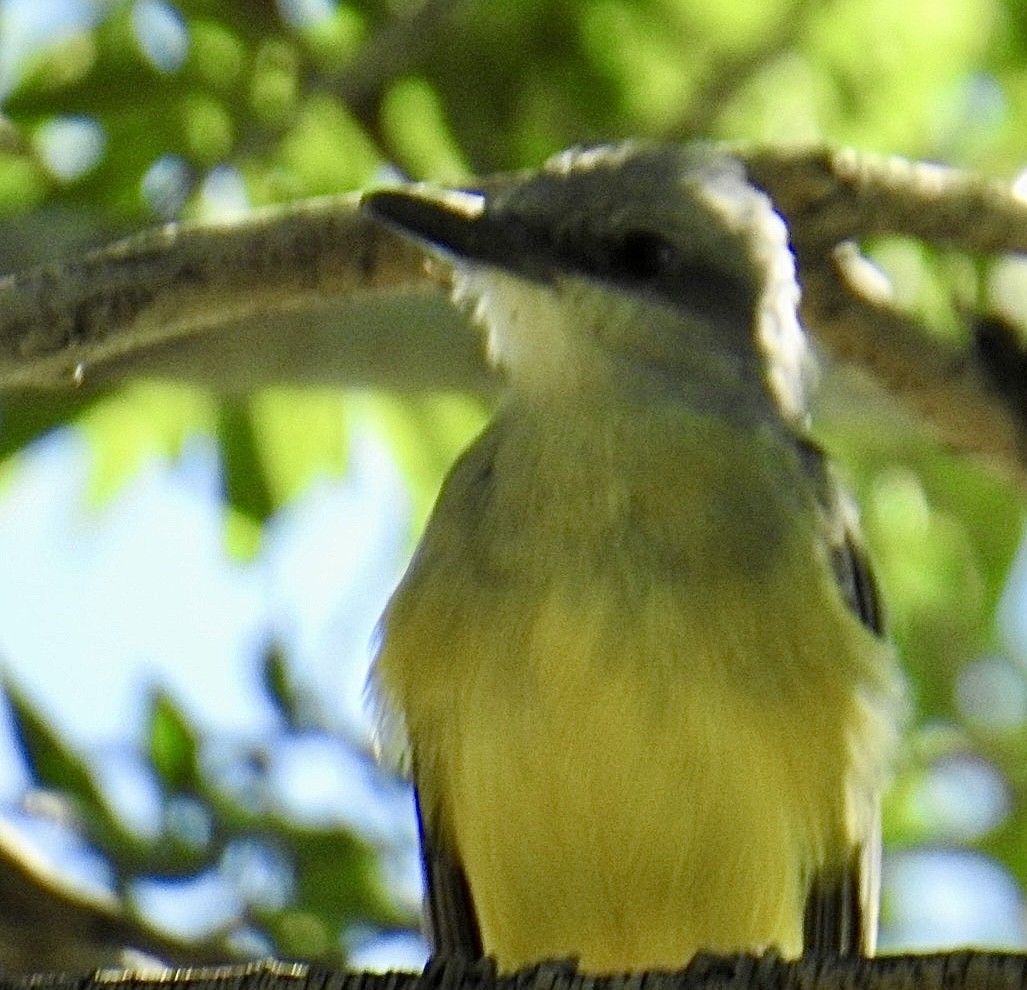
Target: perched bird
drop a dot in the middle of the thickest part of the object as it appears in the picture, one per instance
(637, 660)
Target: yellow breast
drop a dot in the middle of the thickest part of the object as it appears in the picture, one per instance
(645, 719)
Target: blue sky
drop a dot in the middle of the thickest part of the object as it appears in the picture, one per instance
(102, 602)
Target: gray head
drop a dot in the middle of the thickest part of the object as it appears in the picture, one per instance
(634, 263)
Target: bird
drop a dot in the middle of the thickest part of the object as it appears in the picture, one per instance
(637, 666)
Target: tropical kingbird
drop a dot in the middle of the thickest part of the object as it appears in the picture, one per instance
(637, 661)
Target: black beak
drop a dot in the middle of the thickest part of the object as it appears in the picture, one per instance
(457, 223)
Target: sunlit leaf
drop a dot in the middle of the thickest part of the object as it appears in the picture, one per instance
(172, 744)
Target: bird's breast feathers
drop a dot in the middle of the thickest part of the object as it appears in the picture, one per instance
(633, 698)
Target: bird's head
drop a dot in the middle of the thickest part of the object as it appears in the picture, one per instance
(657, 269)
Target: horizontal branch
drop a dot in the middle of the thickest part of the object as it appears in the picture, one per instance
(831, 199)
(316, 294)
(829, 196)
(289, 294)
(954, 971)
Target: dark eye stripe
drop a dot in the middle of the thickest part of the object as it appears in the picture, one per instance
(720, 294)
(642, 254)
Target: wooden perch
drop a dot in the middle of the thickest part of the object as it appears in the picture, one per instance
(314, 293)
(953, 971)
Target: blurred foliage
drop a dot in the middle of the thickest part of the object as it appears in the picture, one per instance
(325, 879)
(143, 111)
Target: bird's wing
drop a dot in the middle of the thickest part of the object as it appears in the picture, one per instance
(452, 924)
(841, 908)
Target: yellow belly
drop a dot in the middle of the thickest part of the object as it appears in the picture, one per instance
(641, 714)
(631, 821)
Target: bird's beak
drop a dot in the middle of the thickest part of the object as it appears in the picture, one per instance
(455, 222)
(449, 219)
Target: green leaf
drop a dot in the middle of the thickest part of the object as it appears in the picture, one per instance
(141, 421)
(301, 435)
(277, 442)
(25, 418)
(280, 687)
(337, 887)
(50, 760)
(172, 745)
(241, 461)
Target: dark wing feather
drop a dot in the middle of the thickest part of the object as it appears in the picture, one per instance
(450, 917)
(452, 925)
(838, 920)
(834, 922)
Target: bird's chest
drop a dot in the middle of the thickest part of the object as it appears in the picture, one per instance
(635, 730)
(633, 504)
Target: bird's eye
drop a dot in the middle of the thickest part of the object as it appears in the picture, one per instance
(642, 254)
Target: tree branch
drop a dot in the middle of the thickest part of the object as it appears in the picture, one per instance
(954, 971)
(314, 293)
(44, 922)
(288, 294)
(831, 198)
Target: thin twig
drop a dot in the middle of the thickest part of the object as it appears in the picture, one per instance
(734, 70)
(395, 50)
